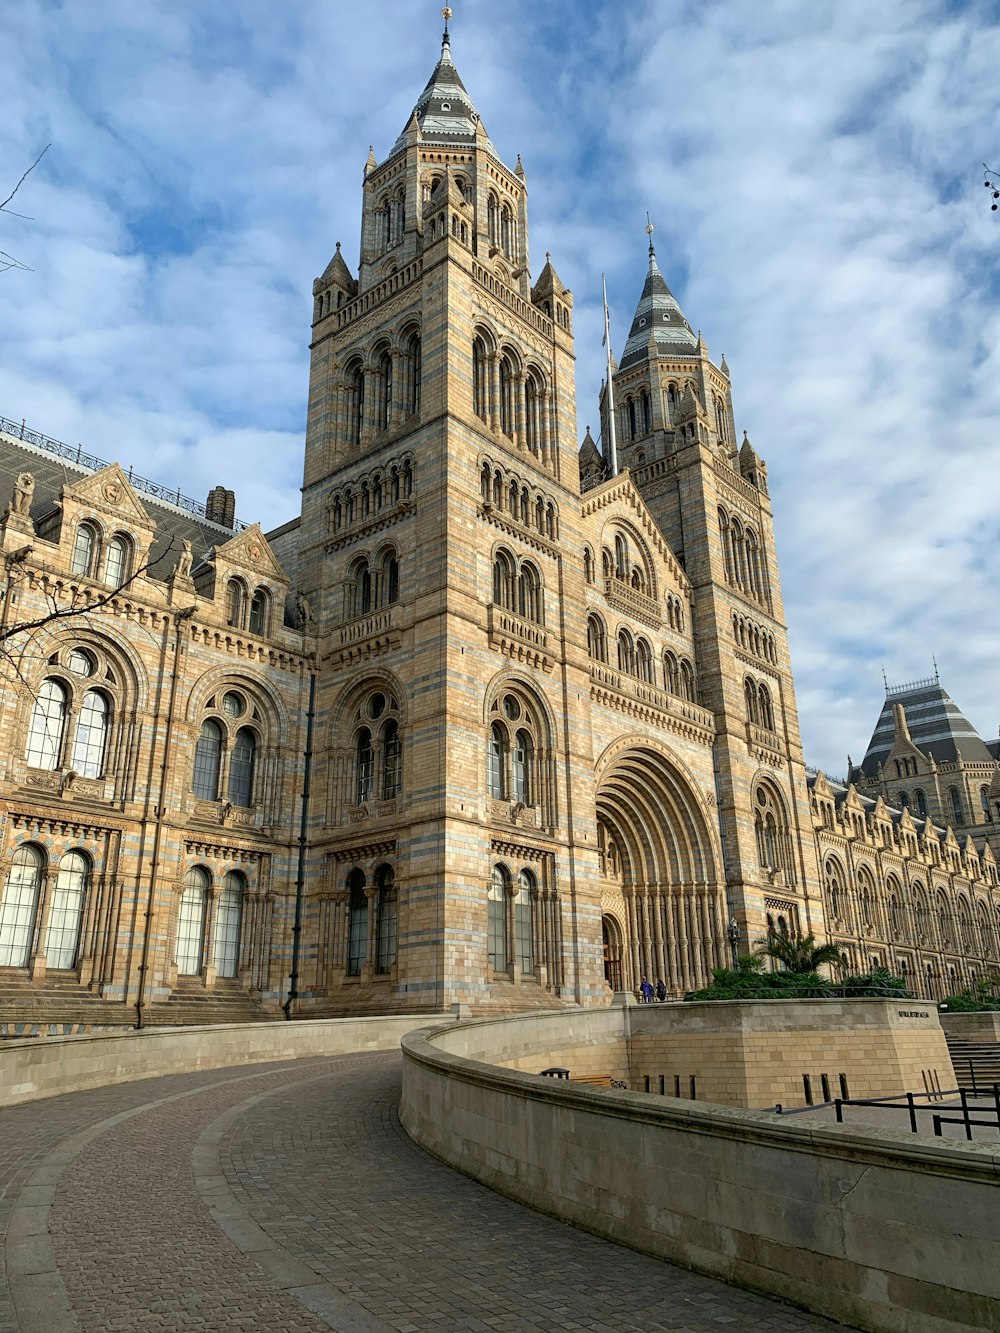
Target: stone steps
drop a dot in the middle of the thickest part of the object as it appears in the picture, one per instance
(975, 1059)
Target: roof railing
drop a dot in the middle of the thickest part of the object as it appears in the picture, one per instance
(927, 683)
(77, 454)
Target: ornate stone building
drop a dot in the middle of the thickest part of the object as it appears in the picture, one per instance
(484, 725)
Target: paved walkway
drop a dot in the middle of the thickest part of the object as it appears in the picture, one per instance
(286, 1198)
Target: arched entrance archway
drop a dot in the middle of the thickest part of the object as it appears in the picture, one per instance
(662, 861)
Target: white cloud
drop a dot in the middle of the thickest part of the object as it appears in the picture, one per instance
(814, 177)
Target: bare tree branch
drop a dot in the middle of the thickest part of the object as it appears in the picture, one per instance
(25, 177)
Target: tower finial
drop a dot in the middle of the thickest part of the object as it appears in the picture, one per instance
(937, 678)
(446, 14)
(649, 232)
(885, 680)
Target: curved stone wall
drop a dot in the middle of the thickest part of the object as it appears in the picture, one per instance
(884, 1231)
(48, 1067)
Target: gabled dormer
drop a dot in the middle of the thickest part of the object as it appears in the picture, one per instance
(106, 532)
(249, 585)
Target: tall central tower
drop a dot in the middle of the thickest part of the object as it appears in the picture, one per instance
(441, 428)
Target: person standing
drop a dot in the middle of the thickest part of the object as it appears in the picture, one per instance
(646, 991)
(661, 990)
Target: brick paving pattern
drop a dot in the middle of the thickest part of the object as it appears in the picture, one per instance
(313, 1160)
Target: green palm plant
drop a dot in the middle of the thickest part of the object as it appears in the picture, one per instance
(799, 953)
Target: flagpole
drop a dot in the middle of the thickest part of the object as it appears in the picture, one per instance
(612, 442)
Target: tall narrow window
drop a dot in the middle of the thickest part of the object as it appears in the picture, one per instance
(116, 563)
(392, 761)
(83, 549)
(48, 723)
(235, 598)
(391, 580)
(413, 373)
(19, 905)
(228, 919)
(364, 766)
(385, 391)
(496, 777)
(387, 926)
(91, 739)
(357, 908)
(496, 919)
(521, 767)
(956, 805)
(480, 379)
(207, 761)
(531, 414)
(258, 612)
(523, 933)
(191, 922)
(62, 939)
(355, 404)
(242, 763)
(506, 397)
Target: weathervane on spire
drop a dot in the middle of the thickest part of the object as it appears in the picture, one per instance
(446, 14)
(649, 232)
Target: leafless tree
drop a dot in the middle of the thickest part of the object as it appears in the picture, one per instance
(8, 261)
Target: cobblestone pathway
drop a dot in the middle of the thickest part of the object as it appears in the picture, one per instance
(287, 1197)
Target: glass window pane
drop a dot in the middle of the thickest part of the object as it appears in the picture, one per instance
(90, 742)
(522, 924)
(258, 612)
(392, 762)
(241, 767)
(18, 907)
(358, 928)
(207, 758)
(116, 563)
(191, 923)
(496, 923)
(365, 765)
(228, 917)
(83, 550)
(62, 939)
(47, 722)
(387, 923)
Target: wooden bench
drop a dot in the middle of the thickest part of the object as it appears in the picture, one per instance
(594, 1080)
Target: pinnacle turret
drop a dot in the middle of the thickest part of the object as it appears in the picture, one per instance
(445, 112)
(659, 317)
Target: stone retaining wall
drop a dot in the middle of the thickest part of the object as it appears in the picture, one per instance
(33, 1068)
(972, 1027)
(883, 1231)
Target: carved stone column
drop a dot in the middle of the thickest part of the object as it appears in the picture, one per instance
(494, 361)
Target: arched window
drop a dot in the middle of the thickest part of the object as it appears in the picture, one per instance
(236, 596)
(944, 922)
(117, 561)
(496, 925)
(766, 711)
(626, 652)
(355, 403)
(507, 418)
(228, 920)
(588, 564)
(644, 661)
(866, 899)
(258, 612)
(392, 761)
(521, 763)
(357, 933)
(727, 554)
(414, 370)
(597, 644)
(523, 923)
(956, 805)
(207, 761)
(621, 557)
(835, 896)
(364, 766)
(191, 922)
(362, 589)
(62, 939)
(752, 701)
(529, 599)
(497, 763)
(503, 580)
(48, 724)
(771, 827)
(91, 739)
(984, 801)
(531, 413)
(492, 211)
(480, 379)
(83, 549)
(671, 673)
(383, 391)
(689, 690)
(921, 800)
(20, 904)
(647, 413)
(386, 929)
(505, 229)
(242, 763)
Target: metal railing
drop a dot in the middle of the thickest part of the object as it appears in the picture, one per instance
(77, 454)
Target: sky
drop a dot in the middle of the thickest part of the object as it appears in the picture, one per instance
(814, 174)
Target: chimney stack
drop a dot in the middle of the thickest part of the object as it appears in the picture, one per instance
(220, 507)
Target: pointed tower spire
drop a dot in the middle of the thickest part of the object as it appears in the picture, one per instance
(657, 317)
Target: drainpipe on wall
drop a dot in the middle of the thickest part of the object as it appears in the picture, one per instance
(160, 810)
(293, 979)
